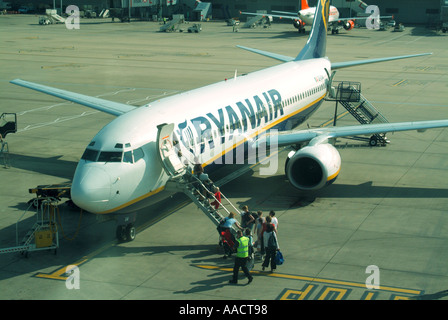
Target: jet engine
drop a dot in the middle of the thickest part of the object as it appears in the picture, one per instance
(349, 25)
(297, 24)
(313, 167)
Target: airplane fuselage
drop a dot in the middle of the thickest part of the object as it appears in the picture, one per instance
(307, 15)
(120, 172)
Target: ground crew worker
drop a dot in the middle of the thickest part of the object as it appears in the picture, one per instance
(242, 254)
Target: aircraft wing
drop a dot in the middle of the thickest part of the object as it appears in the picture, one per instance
(321, 135)
(113, 108)
(334, 65)
(361, 18)
(282, 16)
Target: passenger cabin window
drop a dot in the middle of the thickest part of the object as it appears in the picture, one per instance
(110, 156)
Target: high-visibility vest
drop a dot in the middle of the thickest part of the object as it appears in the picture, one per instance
(243, 247)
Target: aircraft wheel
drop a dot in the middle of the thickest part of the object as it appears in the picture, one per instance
(121, 233)
(130, 232)
(126, 233)
(373, 141)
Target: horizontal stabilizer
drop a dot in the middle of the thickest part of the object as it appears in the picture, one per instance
(340, 65)
(113, 108)
(268, 54)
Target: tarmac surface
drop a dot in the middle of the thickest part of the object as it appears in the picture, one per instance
(384, 221)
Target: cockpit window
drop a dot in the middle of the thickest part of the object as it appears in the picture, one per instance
(127, 157)
(113, 156)
(138, 154)
(90, 155)
(110, 156)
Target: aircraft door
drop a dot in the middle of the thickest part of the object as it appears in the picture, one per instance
(331, 91)
(167, 151)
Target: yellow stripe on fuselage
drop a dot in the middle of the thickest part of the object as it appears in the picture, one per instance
(127, 204)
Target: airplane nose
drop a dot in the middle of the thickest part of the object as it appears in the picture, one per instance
(91, 189)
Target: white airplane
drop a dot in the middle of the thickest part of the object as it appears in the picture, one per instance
(128, 163)
(305, 16)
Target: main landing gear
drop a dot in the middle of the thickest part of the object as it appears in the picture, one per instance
(126, 228)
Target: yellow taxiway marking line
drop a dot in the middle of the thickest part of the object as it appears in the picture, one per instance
(325, 124)
(399, 82)
(313, 279)
(59, 274)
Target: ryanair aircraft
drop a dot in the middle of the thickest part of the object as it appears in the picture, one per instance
(124, 168)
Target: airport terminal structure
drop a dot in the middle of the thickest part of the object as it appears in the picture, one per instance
(377, 232)
(404, 11)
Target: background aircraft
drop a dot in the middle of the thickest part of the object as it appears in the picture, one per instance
(306, 14)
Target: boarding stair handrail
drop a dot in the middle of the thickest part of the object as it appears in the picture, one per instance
(188, 188)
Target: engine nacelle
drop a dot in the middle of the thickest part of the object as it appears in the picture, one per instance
(349, 25)
(313, 167)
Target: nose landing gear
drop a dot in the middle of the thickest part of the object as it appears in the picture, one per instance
(126, 229)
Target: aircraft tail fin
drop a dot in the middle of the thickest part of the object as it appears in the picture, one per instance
(317, 42)
(304, 4)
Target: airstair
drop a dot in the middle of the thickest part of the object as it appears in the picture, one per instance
(192, 185)
(174, 24)
(252, 22)
(258, 20)
(203, 198)
(51, 17)
(8, 124)
(348, 94)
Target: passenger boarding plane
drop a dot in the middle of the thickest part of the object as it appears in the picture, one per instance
(122, 171)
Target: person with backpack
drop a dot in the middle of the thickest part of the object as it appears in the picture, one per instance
(247, 219)
(271, 246)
